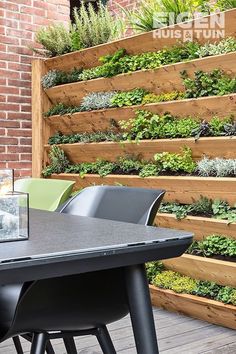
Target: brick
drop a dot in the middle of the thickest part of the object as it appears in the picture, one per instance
(19, 83)
(18, 115)
(25, 157)
(19, 133)
(18, 99)
(2, 132)
(9, 124)
(25, 141)
(9, 6)
(2, 149)
(26, 125)
(8, 141)
(25, 108)
(33, 11)
(9, 157)
(19, 149)
(19, 165)
(9, 74)
(9, 40)
(9, 90)
(9, 107)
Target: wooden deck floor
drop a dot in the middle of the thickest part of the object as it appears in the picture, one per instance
(177, 334)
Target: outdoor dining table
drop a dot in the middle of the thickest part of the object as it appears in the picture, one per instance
(62, 244)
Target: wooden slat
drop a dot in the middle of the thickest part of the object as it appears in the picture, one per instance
(165, 79)
(194, 306)
(200, 226)
(150, 41)
(179, 189)
(40, 130)
(202, 268)
(203, 108)
(146, 149)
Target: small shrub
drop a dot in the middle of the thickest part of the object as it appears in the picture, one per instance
(129, 98)
(55, 39)
(58, 162)
(216, 167)
(176, 162)
(175, 281)
(57, 77)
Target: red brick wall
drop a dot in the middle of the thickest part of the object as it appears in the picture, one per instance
(18, 22)
(124, 3)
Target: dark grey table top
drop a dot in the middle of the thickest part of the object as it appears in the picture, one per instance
(56, 238)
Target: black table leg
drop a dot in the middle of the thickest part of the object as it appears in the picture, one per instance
(141, 310)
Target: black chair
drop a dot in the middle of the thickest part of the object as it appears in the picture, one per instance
(79, 304)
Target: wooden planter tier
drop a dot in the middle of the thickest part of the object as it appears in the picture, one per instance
(150, 41)
(161, 80)
(90, 152)
(200, 226)
(180, 189)
(203, 108)
(202, 268)
(194, 306)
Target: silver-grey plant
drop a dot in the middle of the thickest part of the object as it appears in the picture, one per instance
(225, 46)
(97, 100)
(218, 167)
(50, 79)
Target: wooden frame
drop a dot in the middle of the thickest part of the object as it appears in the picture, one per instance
(218, 271)
(162, 80)
(146, 149)
(207, 107)
(200, 226)
(204, 309)
(179, 188)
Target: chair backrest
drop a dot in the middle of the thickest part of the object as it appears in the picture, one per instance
(45, 194)
(134, 205)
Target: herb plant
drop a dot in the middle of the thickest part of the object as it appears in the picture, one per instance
(214, 245)
(216, 167)
(214, 83)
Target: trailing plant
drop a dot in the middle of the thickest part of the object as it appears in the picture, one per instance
(216, 167)
(167, 279)
(58, 162)
(55, 39)
(57, 77)
(214, 245)
(218, 209)
(214, 83)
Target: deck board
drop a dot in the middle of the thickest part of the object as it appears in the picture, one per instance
(176, 334)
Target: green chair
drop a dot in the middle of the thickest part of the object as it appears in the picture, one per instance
(45, 194)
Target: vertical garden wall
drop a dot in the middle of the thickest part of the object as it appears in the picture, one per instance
(177, 109)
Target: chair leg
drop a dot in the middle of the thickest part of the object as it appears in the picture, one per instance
(17, 344)
(39, 343)
(70, 345)
(105, 341)
(49, 348)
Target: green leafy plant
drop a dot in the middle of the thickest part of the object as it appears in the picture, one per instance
(55, 39)
(214, 245)
(59, 138)
(144, 17)
(214, 83)
(176, 162)
(226, 4)
(61, 109)
(204, 207)
(129, 98)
